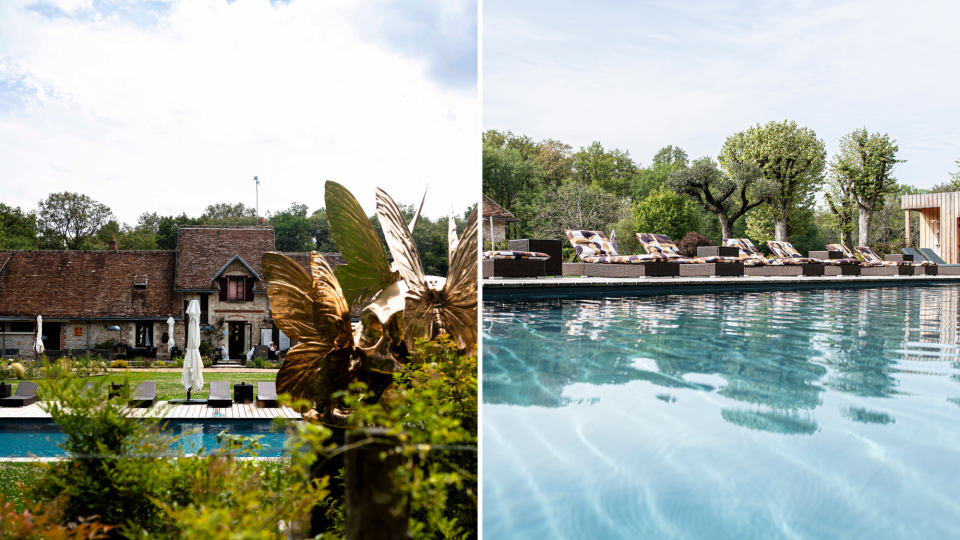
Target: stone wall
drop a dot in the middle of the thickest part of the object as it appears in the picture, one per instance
(499, 230)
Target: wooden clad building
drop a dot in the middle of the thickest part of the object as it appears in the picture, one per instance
(939, 225)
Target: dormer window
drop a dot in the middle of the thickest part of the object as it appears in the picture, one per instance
(236, 289)
(140, 282)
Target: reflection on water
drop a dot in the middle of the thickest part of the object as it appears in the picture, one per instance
(809, 363)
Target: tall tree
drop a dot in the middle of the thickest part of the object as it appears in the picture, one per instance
(320, 230)
(955, 178)
(723, 195)
(67, 220)
(839, 197)
(792, 160)
(866, 162)
(168, 228)
(574, 205)
(554, 162)
(18, 230)
(229, 215)
(292, 229)
(649, 179)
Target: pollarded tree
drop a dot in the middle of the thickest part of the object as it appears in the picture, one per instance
(840, 201)
(865, 162)
(792, 160)
(723, 195)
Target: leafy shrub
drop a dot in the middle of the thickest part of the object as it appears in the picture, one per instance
(121, 364)
(177, 362)
(665, 212)
(688, 246)
(205, 348)
(206, 361)
(259, 363)
(35, 525)
(18, 371)
(432, 404)
(123, 469)
(112, 344)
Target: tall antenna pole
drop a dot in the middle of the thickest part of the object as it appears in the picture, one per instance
(257, 180)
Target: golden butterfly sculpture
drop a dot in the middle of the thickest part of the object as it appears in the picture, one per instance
(311, 308)
(432, 306)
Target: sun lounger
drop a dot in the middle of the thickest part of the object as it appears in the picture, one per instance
(144, 395)
(755, 264)
(874, 267)
(711, 266)
(267, 394)
(917, 268)
(219, 394)
(599, 259)
(931, 255)
(904, 268)
(516, 264)
(26, 394)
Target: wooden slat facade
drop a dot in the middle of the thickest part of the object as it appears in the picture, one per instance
(939, 213)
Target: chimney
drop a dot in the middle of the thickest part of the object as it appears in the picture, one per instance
(112, 244)
(263, 222)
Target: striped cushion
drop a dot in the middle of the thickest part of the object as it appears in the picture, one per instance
(516, 255)
(591, 244)
(658, 243)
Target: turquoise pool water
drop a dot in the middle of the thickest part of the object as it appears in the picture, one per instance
(25, 439)
(790, 414)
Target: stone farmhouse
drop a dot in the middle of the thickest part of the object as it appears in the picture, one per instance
(497, 217)
(80, 294)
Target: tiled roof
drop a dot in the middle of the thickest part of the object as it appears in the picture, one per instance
(203, 251)
(303, 259)
(81, 284)
(498, 212)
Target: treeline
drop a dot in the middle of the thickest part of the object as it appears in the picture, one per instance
(76, 221)
(769, 182)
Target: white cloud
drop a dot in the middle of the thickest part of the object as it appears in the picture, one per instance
(183, 113)
(645, 75)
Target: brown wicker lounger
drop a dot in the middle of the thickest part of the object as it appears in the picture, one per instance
(812, 269)
(889, 270)
(515, 268)
(711, 270)
(219, 394)
(26, 394)
(842, 270)
(632, 270)
(573, 269)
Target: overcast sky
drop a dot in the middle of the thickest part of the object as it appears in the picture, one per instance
(168, 106)
(641, 75)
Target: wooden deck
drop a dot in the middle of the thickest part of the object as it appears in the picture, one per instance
(171, 412)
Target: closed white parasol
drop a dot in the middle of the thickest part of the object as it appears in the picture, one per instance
(192, 365)
(170, 340)
(39, 345)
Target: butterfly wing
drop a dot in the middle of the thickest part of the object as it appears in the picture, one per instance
(367, 271)
(452, 240)
(459, 298)
(416, 217)
(304, 311)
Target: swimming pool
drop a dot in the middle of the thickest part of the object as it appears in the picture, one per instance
(40, 438)
(787, 414)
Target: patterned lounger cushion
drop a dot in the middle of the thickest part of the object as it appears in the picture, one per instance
(658, 244)
(869, 255)
(625, 259)
(516, 255)
(786, 252)
(847, 254)
(591, 244)
(749, 254)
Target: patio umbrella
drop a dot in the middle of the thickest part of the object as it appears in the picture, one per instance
(39, 345)
(192, 365)
(613, 240)
(170, 340)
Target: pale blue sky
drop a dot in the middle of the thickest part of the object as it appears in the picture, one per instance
(642, 75)
(170, 105)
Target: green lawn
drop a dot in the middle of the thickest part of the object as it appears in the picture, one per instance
(12, 474)
(169, 385)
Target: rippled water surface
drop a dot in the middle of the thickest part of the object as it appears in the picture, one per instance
(41, 439)
(788, 414)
